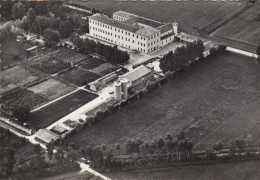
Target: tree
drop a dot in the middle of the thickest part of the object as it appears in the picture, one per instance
(65, 28)
(218, 146)
(43, 23)
(51, 36)
(84, 27)
(18, 10)
(258, 51)
(31, 17)
(181, 136)
(37, 149)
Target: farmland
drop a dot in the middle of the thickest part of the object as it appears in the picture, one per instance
(21, 98)
(78, 76)
(193, 16)
(51, 89)
(235, 170)
(53, 112)
(18, 75)
(247, 28)
(215, 100)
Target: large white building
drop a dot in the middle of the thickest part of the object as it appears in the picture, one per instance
(132, 31)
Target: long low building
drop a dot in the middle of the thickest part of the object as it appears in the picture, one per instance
(132, 31)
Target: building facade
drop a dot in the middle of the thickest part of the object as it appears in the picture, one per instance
(132, 31)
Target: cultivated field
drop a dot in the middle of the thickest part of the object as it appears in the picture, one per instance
(51, 89)
(247, 29)
(21, 98)
(215, 100)
(78, 76)
(18, 75)
(236, 170)
(193, 16)
(53, 112)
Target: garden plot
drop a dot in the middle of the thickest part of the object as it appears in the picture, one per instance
(78, 76)
(104, 69)
(56, 60)
(22, 98)
(57, 110)
(51, 89)
(94, 62)
(18, 75)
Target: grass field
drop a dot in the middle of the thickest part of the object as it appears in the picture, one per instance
(234, 171)
(51, 89)
(247, 28)
(218, 97)
(12, 51)
(192, 16)
(53, 112)
(18, 75)
(94, 62)
(78, 76)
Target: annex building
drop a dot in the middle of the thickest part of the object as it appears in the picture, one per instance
(132, 31)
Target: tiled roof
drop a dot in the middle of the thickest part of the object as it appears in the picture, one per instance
(46, 135)
(139, 19)
(124, 14)
(146, 31)
(137, 73)
(114, 23)
(165, 28)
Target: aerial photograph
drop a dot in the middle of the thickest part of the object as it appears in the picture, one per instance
(130, 89)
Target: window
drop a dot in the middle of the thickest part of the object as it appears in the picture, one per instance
(137, 36)
(126, 33)
(133, 35)
(115, 35)
(118, 36)
(126, 39)
(133, 41)
(122, 31)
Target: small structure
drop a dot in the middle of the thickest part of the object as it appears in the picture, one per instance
(45, 136)
(59, 130)
(124, 83)
(117, 91)
(138, 76)
(31, 49)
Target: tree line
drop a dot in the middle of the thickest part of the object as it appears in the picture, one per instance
(111, 53)
(182, 56)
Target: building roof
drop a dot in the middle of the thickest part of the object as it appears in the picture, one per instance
(166, 27)
(124, 14)
(113, 22)
(46, 135)
(139, 19)
(146, 31)
(137, 73)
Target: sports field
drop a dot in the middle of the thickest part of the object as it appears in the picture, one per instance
(216, 100)
(53, 112)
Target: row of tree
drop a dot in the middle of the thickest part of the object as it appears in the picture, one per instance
(181, 56)
(112, 53)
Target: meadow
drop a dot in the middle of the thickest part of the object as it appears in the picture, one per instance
(215, 100)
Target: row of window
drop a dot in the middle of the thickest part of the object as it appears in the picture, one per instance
(110, 40)
(122, 31)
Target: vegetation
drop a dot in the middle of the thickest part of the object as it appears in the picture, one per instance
(112, 54)
(182, 56)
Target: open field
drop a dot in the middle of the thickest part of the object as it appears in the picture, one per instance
(12, 51)
(22, 98)
(53, 112)
(218, 98)
(235, 170)
(247, 29)
(18, 75)
(78, 76)
(51, 89)
(192, 16)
